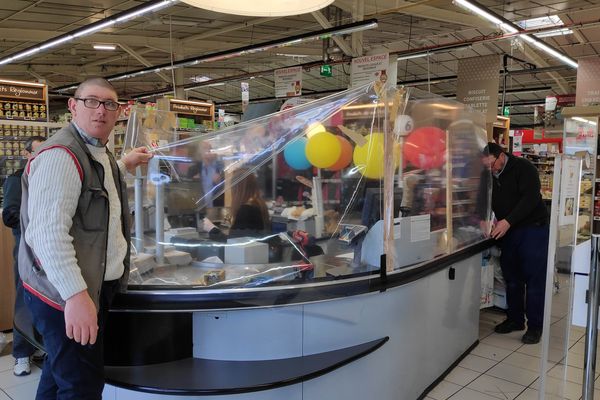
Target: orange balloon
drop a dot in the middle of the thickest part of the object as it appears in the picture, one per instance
(345, 156)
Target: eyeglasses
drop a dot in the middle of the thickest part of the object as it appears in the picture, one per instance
(109, 105)
(493, 164)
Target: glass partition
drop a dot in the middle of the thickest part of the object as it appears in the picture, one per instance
(313, 193)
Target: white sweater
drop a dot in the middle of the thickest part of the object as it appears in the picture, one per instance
(54, 188)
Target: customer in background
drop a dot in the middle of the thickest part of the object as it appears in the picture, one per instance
(22, 350)
(74, 254)
(248, 209)
(522, 232)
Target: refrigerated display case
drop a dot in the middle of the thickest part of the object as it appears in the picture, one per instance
(305, 301)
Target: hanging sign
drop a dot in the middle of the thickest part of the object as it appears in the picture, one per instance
(245, 96)
(568, 191)
(478, 84)
(588, 82)
(369, 69)
(288, 82)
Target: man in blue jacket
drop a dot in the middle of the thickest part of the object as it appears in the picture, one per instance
(522, 232)
(22, 350)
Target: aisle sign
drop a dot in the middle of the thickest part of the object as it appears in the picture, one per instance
(478, 83)
(369, 69)
(588, 82)
(22, 90)
(288, 82)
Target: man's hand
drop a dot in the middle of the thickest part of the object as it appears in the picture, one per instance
(500, 229)
(81, 318)
(136, 157)
(207, 225)
(485, 227)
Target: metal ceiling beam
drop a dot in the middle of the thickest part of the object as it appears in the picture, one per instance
(318, 15)
(142, 60)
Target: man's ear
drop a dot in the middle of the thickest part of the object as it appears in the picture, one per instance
(71, 103)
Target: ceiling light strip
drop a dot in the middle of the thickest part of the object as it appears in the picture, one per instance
(89, 29)
(509, 27)
(224, 55)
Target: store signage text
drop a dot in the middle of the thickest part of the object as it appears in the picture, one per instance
(191, 109)
(21, 92)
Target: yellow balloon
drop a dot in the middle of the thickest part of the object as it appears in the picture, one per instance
(313, 129)
(323, 149)
(369, 158)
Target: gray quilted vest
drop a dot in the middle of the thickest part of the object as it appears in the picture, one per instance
(90, 223)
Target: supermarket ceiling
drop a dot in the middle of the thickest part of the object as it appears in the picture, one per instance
(181, 31)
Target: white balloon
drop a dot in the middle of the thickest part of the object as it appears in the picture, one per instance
(404, 125)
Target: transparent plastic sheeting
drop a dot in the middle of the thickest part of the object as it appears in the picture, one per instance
(564, 331)
(300, 196)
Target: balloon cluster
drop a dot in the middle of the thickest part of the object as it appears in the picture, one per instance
(322, 149)
(424, 148)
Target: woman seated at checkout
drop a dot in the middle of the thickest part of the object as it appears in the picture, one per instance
(250, 216)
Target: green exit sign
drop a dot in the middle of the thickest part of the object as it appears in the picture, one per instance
(506, 111)
(326, 70)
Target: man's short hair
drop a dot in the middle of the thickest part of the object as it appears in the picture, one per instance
(493, 149)
(30, 140)
(95, 81)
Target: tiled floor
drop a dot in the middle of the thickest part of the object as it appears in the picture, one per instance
(500, 367)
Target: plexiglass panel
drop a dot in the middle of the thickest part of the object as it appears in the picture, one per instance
(313, 193)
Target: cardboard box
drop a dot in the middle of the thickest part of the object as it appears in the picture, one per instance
(246, 251)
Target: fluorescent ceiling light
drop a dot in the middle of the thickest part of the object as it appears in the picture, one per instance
(585, 121)
(548, 21)
(105, 47)
(261, 8)
(510, 28)
(292, 55)
(432, 51)
(95, 27)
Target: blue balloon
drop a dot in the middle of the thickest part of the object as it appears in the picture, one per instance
(294, 154)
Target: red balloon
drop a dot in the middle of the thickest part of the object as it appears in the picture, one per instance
(345, 156)
(425, 147)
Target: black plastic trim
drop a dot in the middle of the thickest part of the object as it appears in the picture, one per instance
(195, 376)
(141, 298)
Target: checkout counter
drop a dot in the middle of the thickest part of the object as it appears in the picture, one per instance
(383, 310)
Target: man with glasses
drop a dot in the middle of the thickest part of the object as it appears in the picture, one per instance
(522, 233)
(74, 255)
(22, 350)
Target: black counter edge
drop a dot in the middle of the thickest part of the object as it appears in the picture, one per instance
(353, 353)
(139, 300)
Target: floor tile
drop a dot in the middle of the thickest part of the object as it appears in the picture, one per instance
(513, 374)
(25, 391)
(477, 363)
(444, 390)
(509, 342)
(462, 376)
(492, 352)
(4, 396)
(563, 390)
(529, 394)
(6, 363)
(470, 394)
(524, 361)
(573, 374)
(8, 379)
(496, 387)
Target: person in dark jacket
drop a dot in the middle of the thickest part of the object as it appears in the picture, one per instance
(11, 216)
(248, 209)
(522, 231)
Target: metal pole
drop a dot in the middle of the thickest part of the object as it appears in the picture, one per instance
(139, 210)
(160, 223)
(591, 330)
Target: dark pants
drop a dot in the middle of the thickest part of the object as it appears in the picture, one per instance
(71, 371)
(21, 347)
(524, 259)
